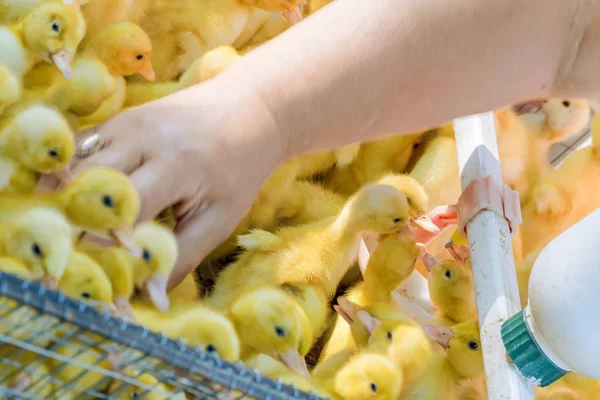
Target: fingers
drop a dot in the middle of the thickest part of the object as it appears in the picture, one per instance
(157, 188)
(201, 233)
(121, 155)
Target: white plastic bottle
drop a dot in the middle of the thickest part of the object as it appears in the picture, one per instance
(559, 330)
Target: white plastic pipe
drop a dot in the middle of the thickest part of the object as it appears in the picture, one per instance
(491, 258)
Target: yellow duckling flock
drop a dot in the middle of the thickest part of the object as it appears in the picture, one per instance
(311, 287)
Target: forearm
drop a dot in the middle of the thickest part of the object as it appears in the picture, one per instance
(360, 69)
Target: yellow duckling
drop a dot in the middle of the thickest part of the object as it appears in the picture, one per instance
(15, 267)
(196, 325)
(204, 68)
(452, 291)
(85, 280)
(270, 322)
(374, 159)
(184, 30)
(125, 49)
(320, 162)
(332, 245)
(366, 376)
(50, 32)
(119, 271)
(307, 202)
(313, 301)
(36, 140)
(42, 240)
(90, 84)
(462, 359)
(99, 200)
(152, 269)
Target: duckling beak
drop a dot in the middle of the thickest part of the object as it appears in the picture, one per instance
(459, 252)
(294, 15)
(49, 282)
(124, 238)
(64, 175)
(123, 309)
(528, 107)
(428, 259)
(346, 309)
(62, 60)
(147, 71)
(412, 310)
(156, 289)
(294, 361)
(370, 322)
(424, 222)
(440, 335)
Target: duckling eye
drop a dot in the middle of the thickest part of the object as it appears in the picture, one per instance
(139, 57)
(108, 201)
(211, 348)
(448, 274)
(409, 201)
(55, 27)
(86, 295)
(566, 103)
(473, 345)
(134, 395)
(389, 336)
(37, 251)
(146, 255)
(396, 220)
(373, 388)
(280, 331)
(52, 153)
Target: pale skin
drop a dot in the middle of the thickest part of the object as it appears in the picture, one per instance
(357, 70)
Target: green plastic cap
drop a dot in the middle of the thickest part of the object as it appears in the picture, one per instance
(526, 354)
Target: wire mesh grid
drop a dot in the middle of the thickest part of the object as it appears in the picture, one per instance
(54, 347)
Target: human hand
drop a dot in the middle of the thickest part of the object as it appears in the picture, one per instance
(205, 151)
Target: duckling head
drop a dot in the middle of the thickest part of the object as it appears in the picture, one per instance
(158, 256)
(102, 201)
(125, 49)
(417, 197)
(376, 208)
(369, 376)
(15, 267)
(40, 139)
(449, 280)
(90, 85)
(53, 31)
(312, 299)
(85, 280)
(463, 346)
(271, 322)
(42, 239)
(212, 331)
(566, 117)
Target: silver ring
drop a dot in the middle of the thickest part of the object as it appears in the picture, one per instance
(89, 146)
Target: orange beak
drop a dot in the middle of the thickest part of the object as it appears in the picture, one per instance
(124, 238)
(439, 334)
(156, 289)
(294, 361)
(294, 15)
(49, 282)
(123, 309)
(346, 309)
(424, 222)
(62, 60)
(428, 259)
(147, 71)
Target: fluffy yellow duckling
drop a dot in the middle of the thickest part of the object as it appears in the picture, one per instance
(50, 32)
(313, 301)
(100, 13)
(197, 325)
(452, 291)
(307, 202)
(562, 198)
(462, 359)
(99, 200)
(152, 269)
(183, 30)
(148, 387)
(320, 162)
(373, 160)
(202, 69)
(119, 271)
(270, 322)
(319, 253)
(42, 240)
(36, 140)
(85, 280)
(125, 49)
(367, 376)
(90, 84)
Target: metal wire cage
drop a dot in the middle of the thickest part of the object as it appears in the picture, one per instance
(55, 347)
